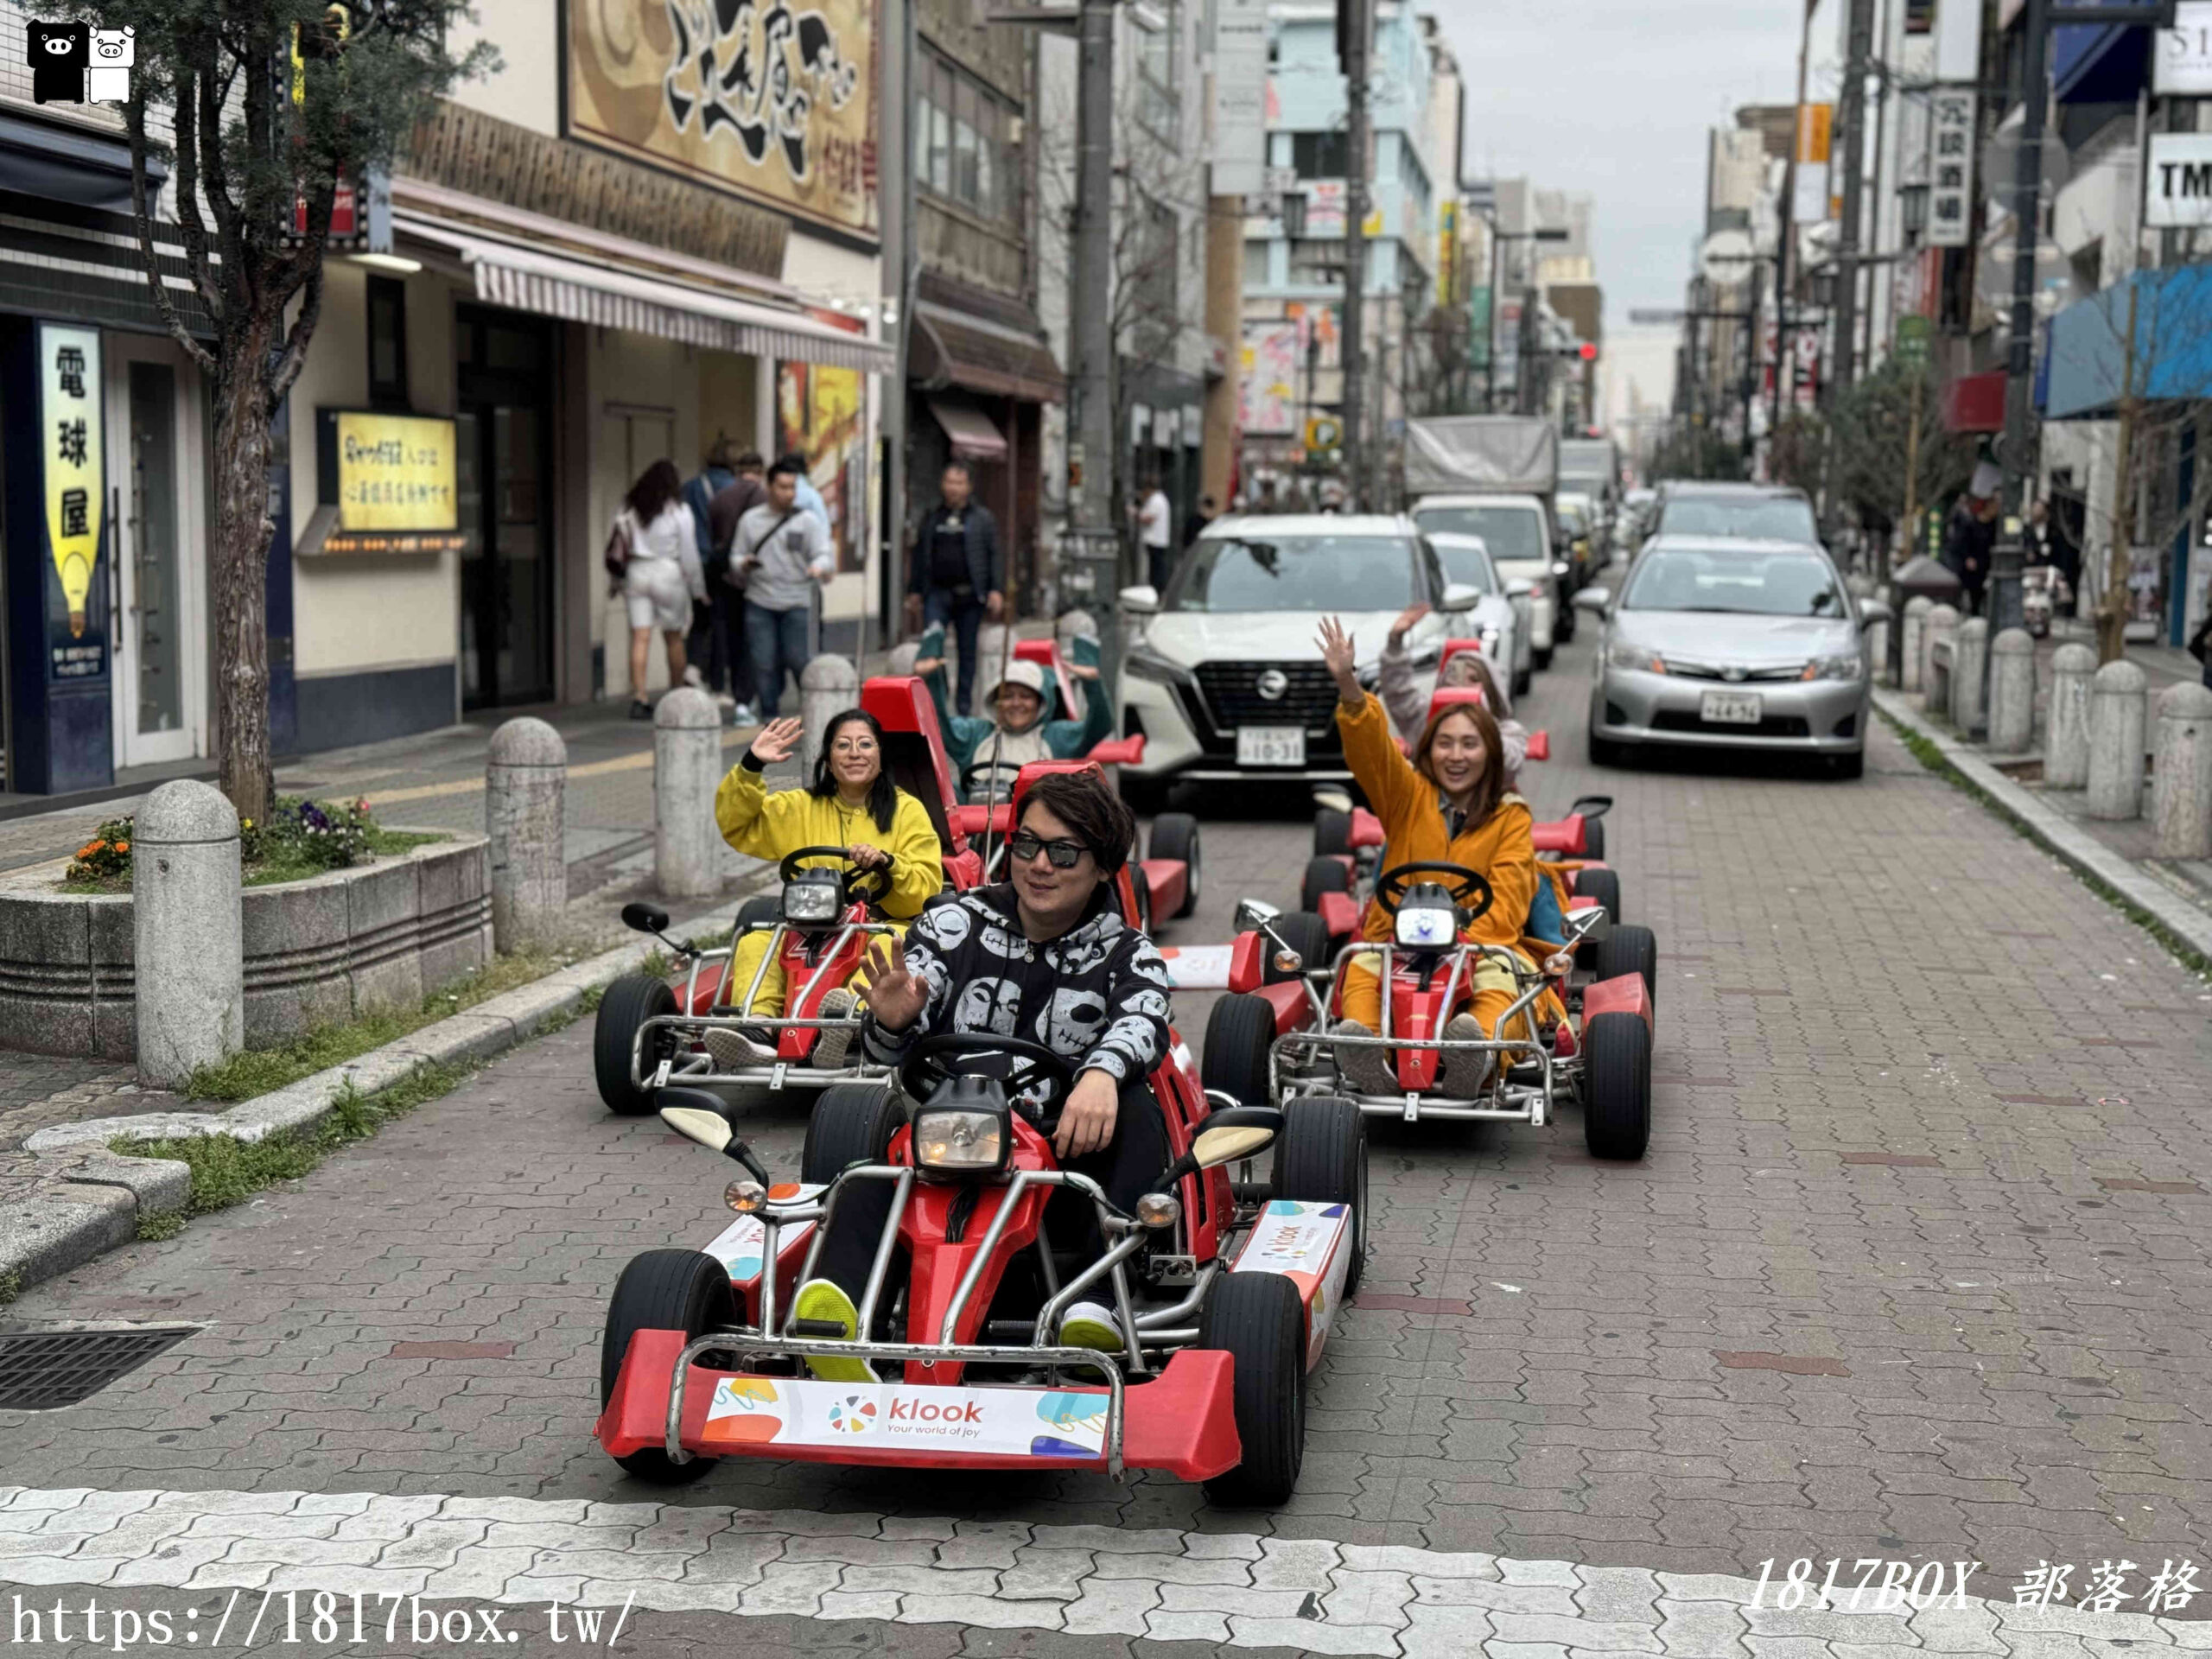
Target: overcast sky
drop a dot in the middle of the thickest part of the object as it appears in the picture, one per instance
(1613, 98)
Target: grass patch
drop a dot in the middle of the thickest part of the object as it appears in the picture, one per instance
(11, 1286)
(1925, 750)
(257, 1072)
(226, 1170)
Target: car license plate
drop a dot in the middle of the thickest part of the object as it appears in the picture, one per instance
(1270, 745)
(1730, 707)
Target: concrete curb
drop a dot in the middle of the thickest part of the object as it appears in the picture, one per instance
(2054, 831)
(97, 1201)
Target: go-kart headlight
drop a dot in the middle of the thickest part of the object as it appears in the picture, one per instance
(961, 1140)
(1621, 655)
(813, 899)
(1427, 927)
(1849, 666)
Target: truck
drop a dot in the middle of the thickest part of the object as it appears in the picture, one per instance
(1497, 476)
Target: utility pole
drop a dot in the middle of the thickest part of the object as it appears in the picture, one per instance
(1490, 357)
(1355, 25)
(1849, 153)
(1785, 353)
(2004, 566)
(1097, 527)
(898, 299)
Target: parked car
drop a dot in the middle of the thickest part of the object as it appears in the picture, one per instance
(1771, 513)
(1724, 643)
(1517, 531)
(1580, 535)
(1225, 681)
(1500, 618)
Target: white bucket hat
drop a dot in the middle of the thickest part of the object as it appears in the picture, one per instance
(1024, 673)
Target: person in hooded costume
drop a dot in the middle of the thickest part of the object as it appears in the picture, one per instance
(1017, 730)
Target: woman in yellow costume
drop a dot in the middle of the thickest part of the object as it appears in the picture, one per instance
(1448, 803)
(852, 804)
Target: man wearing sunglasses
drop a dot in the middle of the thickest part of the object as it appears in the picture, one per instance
(1046, 957)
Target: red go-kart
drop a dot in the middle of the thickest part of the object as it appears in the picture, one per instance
(1224, 1293)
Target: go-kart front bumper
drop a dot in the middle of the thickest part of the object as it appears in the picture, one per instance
(1182, 1423)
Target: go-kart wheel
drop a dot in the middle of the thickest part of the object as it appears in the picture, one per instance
(1175, 837)
(1258, 1320)
(1306, 934)
(1321, 1158)
(1240, 1032)
(1630, 951)
(1593, 841)
(664, 1290)
(1322, 876)
(1141, 884)
(627, 1005)
(1604, 886)
(1331, 832)
(1617, 1086)
(853, 1123)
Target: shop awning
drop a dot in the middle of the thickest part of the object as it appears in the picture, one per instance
(953, 348)
(2087, 352)
(577, 291)
(974, 437)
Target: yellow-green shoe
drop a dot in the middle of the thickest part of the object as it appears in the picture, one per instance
(821, 1299)
(1089, 1324)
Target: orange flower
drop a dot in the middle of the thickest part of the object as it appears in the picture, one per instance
(90, 848)
(121, 846)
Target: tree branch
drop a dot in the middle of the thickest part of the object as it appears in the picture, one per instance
(295, 355)
(215, 180)
(134, 120)
(193, 228)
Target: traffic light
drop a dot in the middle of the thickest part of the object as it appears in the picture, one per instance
(1587, 351)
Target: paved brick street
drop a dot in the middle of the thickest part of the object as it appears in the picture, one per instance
(1919, 1267)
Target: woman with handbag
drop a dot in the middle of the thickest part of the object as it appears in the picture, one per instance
(653, 551)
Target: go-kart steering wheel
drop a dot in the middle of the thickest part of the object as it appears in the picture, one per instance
(1472, 892)
(1002, 775)
(1031, 1066)
(868, 886)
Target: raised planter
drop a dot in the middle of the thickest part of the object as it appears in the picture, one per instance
(318, 952)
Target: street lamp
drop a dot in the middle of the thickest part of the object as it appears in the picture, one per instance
(1545, 233)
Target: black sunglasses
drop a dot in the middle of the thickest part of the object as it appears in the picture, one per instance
(1065, 854)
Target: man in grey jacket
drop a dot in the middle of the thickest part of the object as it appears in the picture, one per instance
(783, 552)
(956, 574)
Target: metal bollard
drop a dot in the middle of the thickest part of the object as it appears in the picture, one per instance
(526, 789)
(686, 769)
(1969, 659)
(2116, 699)
(2012, 692)
(829, 685)
(1911, 639)
(188, 934)
(1942, 628)
(2181, 773)
(2066, 738)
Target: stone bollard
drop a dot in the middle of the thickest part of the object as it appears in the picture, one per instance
(1912, 637)
(2066, 738)
(1073, 625)
(828, 687)
(1969, 664)
(904, 656)
(1941, 629)
(2181, 773)
(525, 787)
(188, 935)
(2116, 699)
(686, 769)
(1877, 648)
(2012, 692)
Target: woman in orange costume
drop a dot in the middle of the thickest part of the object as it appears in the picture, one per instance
(1448, 803)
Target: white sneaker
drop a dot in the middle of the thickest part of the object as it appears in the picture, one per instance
(745, 714)
(731, 1049)
(1091, 1325)
(1367, 1070)
(833, 1043)
(1466, 1075)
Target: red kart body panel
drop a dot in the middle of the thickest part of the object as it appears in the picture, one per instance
(1452, 696)
(1366, 827)
(1417, 1014)
(1452, 648)
(1540, 745)
(1339, 914)
(1171, 880)
(1290, 1003)
(1560, 836)
(1622, 993)
(1118, 750)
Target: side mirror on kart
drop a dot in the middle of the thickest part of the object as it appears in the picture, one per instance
(698, 1115)
(1591, 808)
(1238, 1132)
(644, 918)
(1254, 913)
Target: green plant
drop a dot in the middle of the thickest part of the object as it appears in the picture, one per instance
(11, 1286)
(168, 1224)
(106, 856)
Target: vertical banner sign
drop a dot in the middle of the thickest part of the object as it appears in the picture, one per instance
(1958, 39)
(1240, 97)
(1950, 166)
(76, 492)
(1815, 124)
(2184, 52)
(1447, 248)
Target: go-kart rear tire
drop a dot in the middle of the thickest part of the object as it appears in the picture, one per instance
(1175, 836)
(1322, 876)
(1141, 884)
(627, 1004)
(1258, 1320)
(1630, 950)
(853, 1123)
(1617, 1086)
(1322, 1159)
(1604, 886)
(1240, 1032)
(1306, 933)
(663, 1290)
(1594, 840)
(1331, 832)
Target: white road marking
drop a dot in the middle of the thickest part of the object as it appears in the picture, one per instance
(1231, 1589)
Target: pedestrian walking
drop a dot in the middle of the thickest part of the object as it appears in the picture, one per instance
(2199, 643)
(2049, 544)
(783, 554)
(745, 490)
(1970, 535)
(1156, 527)
(956, 575)
(655, 547)
(706, 647)
(1195, 525)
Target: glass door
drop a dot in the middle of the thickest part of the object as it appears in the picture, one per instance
(154, 505)
(506, 564)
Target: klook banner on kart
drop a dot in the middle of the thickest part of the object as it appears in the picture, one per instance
(748, 1411)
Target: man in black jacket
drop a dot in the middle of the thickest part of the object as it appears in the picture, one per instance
(1044, 957)
(956, 573)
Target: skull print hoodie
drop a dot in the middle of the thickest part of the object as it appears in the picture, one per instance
(1096, 996)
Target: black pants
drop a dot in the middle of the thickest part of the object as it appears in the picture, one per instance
(964, 617)
(1128, 1166)
(716, 643)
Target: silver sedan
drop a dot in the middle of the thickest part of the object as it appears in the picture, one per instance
(1731, 643)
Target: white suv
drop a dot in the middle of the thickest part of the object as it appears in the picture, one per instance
(1225, 681)
(1517, 531)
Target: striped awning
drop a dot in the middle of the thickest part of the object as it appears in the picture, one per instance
(553, 285)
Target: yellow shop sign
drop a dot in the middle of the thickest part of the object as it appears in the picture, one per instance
(389, 471)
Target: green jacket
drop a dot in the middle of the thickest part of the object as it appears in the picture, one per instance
(1063, 738)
